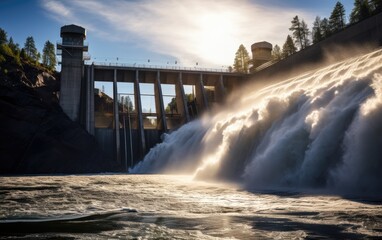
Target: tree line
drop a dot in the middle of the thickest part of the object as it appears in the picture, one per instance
(29, 52)
(301, 36)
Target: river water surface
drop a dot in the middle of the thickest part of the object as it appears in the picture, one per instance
(174, 207)
(306, 152)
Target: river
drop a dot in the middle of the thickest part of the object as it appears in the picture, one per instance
(174, 207)
(297, 159)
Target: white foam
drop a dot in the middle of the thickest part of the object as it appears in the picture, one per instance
(318, 130)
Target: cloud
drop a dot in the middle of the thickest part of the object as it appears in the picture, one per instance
(57, 8)
(205, 31)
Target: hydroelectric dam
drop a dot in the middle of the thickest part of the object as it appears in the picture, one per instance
(128, 107)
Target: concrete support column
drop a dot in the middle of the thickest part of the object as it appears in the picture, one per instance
(161, 114)
(219, 90)
(116, 119)
(138, 105)
(92, 107)
(89, 105)
(201, 97)
(181, 99)
(87, 98)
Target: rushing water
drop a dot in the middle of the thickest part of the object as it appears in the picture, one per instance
(173, 207)
(320, 131)
(298, 159)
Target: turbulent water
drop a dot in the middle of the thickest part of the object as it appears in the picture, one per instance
(173, 207)
(320, 131)
(298, 159)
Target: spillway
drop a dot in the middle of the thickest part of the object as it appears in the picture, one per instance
(320, 130)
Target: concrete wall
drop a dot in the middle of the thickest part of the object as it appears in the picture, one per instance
(71, 75)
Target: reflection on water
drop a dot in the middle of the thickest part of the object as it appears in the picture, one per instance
(173, 207)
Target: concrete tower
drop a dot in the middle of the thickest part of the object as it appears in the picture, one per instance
(261, 53)
(72, 68)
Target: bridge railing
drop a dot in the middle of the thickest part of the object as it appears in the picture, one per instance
(148, 66)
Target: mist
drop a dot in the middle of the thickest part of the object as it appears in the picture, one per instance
(318, 131)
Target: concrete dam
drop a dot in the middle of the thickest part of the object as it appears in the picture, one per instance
(127, 108)
(115, 113)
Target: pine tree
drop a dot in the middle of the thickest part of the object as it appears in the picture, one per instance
(305, 34)
(317, 30)
(48, 55)
(325, 28)
(288, 48)
(3, 36)
(376, 6)
(276, 53)
(297, 31)
(23, 55)
(361, 10)
(337, 18)
(300, 32)
(30, 49)
(14, 46)
(241, 62)
(129, 104)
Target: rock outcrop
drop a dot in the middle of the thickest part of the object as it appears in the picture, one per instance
(36, 137)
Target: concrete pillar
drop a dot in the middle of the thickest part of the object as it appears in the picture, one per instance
(219, 90)
(87, 98)
(201, 97)
(138, 105)
(181, 99)
(91, 91)
(161, 114)
(89, 114)
(116, 119)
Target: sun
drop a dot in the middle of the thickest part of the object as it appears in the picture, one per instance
(216, 36)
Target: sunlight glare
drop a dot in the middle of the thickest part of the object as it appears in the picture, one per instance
(216, 35)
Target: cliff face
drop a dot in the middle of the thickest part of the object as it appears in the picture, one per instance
(36, 137)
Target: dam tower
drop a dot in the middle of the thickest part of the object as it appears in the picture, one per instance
(261, 53)
(71, 49)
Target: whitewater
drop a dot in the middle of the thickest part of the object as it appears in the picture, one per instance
(319, 131)
(293, 160)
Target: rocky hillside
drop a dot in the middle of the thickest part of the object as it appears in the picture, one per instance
(36, 137)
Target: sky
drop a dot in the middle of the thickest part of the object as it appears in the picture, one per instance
(162, 32)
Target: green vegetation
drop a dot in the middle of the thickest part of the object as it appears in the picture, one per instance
(361, 10)
(12, 57)
(49, 55)
(288, 48)
(9, 55)
(31, 50)
(324, 27)
(276, 53)
(242, 60)
(317, 33)
(172, 106)
(337, 18)
(300, 32)
(3, 36)
(126, 105)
